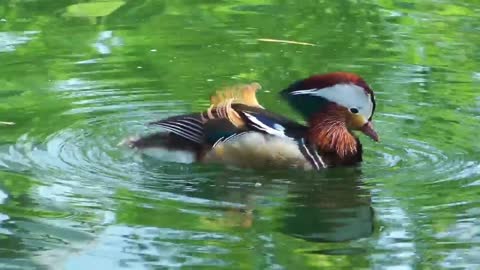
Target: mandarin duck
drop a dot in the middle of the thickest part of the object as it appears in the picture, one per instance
(237, 130)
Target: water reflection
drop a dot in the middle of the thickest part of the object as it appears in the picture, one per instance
(329, 210)
(92, 72)
(10, 41)
(3, 196)
(334, 206)
(3, 217)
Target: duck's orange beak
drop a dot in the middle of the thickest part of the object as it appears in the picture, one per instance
(368, 130)
(359, 122)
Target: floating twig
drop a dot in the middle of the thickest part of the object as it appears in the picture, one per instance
(7, 123)
(285, 41)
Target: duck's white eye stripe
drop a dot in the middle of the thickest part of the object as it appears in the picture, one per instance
(305, 92)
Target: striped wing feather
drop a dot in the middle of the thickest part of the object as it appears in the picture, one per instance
(188, 126)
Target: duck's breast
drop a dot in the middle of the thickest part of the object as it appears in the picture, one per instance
(257, 150)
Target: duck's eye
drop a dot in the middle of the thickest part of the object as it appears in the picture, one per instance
(354, 110)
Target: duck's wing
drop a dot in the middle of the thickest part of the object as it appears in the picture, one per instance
(188, 126)
(261, 120)
(232, 111)
(267, 122)
(218, 121)
(241, 112)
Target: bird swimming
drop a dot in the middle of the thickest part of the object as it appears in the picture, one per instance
(236, 130)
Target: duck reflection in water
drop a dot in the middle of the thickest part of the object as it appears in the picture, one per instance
(335, 209)
(332, 206)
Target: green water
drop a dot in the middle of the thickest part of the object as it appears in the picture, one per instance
(78, 76)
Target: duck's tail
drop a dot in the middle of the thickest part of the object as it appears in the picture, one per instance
(158, 144)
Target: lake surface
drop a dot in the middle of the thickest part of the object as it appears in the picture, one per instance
(79, 76)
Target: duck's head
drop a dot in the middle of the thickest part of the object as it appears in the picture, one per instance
(340, 96)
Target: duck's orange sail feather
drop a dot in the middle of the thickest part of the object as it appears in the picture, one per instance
(222, 100)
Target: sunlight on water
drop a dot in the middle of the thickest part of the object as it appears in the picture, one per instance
(9, 41)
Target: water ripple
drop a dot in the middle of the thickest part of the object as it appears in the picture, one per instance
(412, 159)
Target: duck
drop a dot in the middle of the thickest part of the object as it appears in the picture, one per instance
(236, 130)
